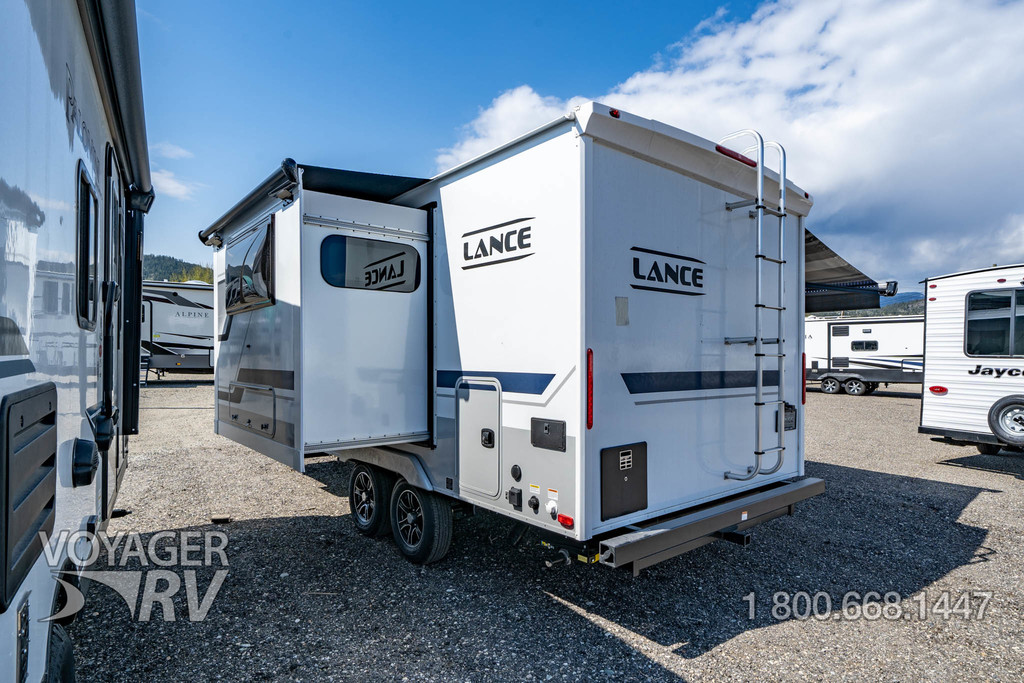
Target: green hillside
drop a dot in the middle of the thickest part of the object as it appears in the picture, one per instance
(915, 307)
(157, 267)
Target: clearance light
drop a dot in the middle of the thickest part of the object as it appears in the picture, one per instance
(803, 390)
(566, 521)
(736, 155)
(938, 391)
(1001, 280)
(590, 389)
(615, 113)
(931, 298)
(932, 286)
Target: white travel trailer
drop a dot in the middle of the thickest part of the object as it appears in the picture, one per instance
(595, 329)
(974, 358)
(177, 325)
(74, 185)
(855, 355)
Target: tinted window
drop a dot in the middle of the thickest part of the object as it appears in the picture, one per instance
(990, 317)
(250, 271)
(864, 346)
(86, 273)
(359, 263)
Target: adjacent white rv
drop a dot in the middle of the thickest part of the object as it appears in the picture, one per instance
(595, 329)
(177, 325)
(74, 184)
(974, 358)
(855, 355)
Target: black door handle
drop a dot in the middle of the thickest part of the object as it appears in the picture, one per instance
(487, 438)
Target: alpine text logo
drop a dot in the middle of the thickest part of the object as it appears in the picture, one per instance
(660, 271)
(501, 243)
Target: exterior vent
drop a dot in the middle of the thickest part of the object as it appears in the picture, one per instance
(28, 481)
(626, 460)
(840, 330)
(840, 362)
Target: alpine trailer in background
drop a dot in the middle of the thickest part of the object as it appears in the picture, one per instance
(74, 185)
(974, 358)
(855, 355)
(177, 325)
(595, 329)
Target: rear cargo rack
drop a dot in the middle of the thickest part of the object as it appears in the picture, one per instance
(666, 538)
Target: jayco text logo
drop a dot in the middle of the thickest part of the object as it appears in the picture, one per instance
(995, 372)
(660, 271)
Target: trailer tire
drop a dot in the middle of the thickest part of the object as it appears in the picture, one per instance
(872, 387)
(830, 385)
(855, 387)
(1006, 420)
(60, 657)
(989, 448)
(369, 498)
(421, 523)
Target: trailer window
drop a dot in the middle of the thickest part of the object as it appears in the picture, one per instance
(86, 271)
(358, 263)
(250, 271)
(990, 323)
(864, 346)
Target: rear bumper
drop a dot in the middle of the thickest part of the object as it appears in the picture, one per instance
(662, 539)
(959, 437)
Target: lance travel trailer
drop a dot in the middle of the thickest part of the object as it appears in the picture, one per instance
(177, 326)
(595, 329)
(855, 355)
(974, 358)
(74, 185)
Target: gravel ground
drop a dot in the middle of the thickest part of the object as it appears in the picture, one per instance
(308, 599)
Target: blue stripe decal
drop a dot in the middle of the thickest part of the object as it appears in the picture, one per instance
(656, 382)
(515, 382)
(10, 368)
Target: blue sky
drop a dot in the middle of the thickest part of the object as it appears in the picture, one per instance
(885, 107)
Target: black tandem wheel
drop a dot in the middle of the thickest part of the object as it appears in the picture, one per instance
(421, 523)
(369, 497)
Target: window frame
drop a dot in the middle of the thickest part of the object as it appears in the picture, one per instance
(405, 244)
(865, 342)
(86, 249)
(271, 298)
(1013, 319)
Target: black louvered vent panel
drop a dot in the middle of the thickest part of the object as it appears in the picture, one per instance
(29, 485)
(840, 330)
(838, 362)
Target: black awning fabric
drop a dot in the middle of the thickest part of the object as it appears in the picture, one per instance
(374, 187)
(832, 284)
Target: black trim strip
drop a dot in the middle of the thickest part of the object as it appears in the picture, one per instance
(499, 225)
(657, 382)
(515, 382)
(279, 379)
(665, 253)
(667, 291)
(12, 368)
(494, 263)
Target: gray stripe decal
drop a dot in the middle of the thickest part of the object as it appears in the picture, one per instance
(11, 368)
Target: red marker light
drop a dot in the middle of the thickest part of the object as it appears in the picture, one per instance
(590, 388)
(803, 390)
(932, 286)
(931, 298)
(736, 155)
(615, 113)
(938, 391)
(1001, 280)
(566, 521)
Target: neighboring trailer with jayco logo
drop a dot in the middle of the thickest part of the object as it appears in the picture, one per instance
(974, 358)
(595, 330)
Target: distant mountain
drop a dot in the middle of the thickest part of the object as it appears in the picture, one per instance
(157, 267)
(905, 303)
(903, 297)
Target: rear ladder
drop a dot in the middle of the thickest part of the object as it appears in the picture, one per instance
(758, 341)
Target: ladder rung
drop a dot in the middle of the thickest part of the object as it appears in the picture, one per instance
(732, 206)
(770, 308)
(769, 403)
(773, 212)
(775, 449)
(769, 355)
(750, 341)
(779, 261)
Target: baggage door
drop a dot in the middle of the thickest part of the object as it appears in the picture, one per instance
(479, 427)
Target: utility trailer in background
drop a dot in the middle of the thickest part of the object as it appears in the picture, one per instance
(974, 358)
(74, 186)
(855, 355)
(177, 325)
(595, 329)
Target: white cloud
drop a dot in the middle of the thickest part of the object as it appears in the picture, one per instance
(165, 183)
(902, 118)
(169, 150)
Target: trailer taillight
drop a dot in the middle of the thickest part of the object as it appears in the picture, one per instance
(803, 387)
(615, 113)
(732, 154)
(938, 391)
(590, 388)
(566, 521)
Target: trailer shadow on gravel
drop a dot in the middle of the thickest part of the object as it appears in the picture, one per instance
(306, 597)
(1011, 464)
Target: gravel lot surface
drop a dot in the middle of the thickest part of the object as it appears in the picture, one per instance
(308, 599)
